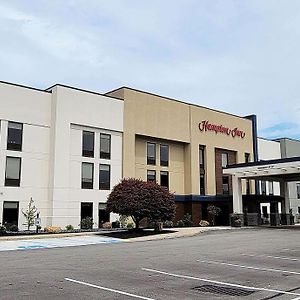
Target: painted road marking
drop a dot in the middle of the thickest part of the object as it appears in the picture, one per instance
(248, 267)
(55, 243)
(270, 256)
(108, 289)
(221, 282)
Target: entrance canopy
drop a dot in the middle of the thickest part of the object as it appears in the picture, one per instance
(282, 170)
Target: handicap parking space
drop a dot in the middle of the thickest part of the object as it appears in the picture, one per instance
(31, 244)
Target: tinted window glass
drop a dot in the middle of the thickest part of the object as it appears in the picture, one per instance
(151, 154)
(225, 181)
(151, 175)
(87, 179)
(164, 178)
(104, 177)
(105, 146)
(88, 144)
(13, 171)
(14, 136)
(164, 155)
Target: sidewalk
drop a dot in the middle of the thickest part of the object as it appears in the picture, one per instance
(178, 232)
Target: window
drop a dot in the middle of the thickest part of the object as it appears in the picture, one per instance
(151, 154)
(271, 188)
(202, 169)
(224, 160)
(263, 187)
(88, 144)
(164, 155)
(10, 213)
(13, 171)
(247, 157)
(104, 177)
(14, 136)
(298, 190)
(151, 175)
(164, 179)
(86, 212)
(298, 209)
(87, 177)
(105, 145)
(225, 182)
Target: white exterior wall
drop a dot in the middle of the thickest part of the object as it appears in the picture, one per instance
(51, 152)
(32, 108)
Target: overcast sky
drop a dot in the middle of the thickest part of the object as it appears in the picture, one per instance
(237, 56)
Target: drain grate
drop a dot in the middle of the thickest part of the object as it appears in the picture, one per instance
(221, 290)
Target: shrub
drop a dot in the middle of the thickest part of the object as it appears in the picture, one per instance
(107, 225)
(115, 224)
(204, 223)
(213, 212)
(180, 223)
(29, 214)
(2, 230)
(12, 228)
(52, 229)
(87, 223)
(187, 220)
(168, 224)
(130, 226)
(140, 199)
(69, 227)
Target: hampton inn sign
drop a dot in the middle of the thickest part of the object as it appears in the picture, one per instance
(234, 132)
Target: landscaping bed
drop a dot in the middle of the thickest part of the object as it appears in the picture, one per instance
(128, 234)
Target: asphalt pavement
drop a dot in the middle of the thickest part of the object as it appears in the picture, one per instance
(233, 264)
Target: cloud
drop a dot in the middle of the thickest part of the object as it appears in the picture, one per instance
(236, 56)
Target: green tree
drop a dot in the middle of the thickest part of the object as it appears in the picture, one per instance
(30, 214)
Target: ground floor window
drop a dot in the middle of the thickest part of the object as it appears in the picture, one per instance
(10, 213)
(103, 214)
(86, 215)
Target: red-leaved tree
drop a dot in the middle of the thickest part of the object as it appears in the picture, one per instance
(140, 199)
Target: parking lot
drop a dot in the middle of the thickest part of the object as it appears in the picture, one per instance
(240, 264)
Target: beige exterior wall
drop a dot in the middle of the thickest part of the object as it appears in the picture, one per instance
(152, 116)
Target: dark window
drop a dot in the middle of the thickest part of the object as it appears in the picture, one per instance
(202, 169)
(10, 213)
(151, 154)
(87, 176)
(13, 171)
(88, 144)
(247, 157)
(265, 211)
(164, 155)
(263, 187)
(164, 179)
(104, 216)
(151, 175)
(247, 186)
(14, 136)
(105, 145)
(104, 177)
(202, 184)
(298, 190)
(271, 188)
(86, 212)
(224, 160)
(225, 181)
(298, 209)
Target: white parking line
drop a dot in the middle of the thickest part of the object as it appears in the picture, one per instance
(270, 256)
(221, 282)
(249, 267)
(108, 289)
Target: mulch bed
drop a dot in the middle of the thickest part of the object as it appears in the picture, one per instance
(128, 234)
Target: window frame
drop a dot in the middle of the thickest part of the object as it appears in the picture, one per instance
(105, 187)
(148, 180)
(151, 160)
(87, 185)
(88, 153)
(105, 155)
(161, 174)
(164, 163)
(14, 146)
(10, 182)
